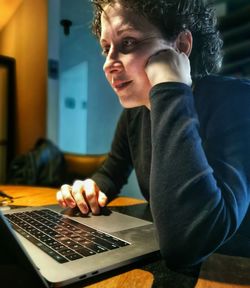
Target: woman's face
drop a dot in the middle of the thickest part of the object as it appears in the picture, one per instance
(127, 42)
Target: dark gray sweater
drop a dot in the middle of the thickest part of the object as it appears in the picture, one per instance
(191, 155)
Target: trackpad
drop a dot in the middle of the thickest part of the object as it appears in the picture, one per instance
(108, 221)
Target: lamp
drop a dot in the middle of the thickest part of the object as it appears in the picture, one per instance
(66, 26)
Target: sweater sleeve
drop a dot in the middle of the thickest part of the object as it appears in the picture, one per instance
(198, 200)
(117, 167)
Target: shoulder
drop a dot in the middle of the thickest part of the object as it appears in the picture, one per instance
(221, 90)
(222, 102)
(217, 85)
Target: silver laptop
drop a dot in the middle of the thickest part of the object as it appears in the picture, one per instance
(66, 247)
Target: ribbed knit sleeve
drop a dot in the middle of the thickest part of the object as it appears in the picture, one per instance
(116, 169)
(199, 192)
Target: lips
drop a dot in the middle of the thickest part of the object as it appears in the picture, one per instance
(119, 85)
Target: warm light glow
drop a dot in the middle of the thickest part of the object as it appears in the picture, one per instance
(7, 9)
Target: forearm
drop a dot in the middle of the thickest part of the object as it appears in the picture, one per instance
(117, 167)
(193, 212)
(112, 176)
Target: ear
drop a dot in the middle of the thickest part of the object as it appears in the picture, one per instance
(184, 42)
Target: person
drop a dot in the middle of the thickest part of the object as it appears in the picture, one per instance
(185, 129)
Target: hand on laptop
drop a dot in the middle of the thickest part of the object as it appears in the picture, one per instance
(86, 195)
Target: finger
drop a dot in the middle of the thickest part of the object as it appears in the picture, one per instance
(78, 191)
(67, 196)
(91, 195)
(60, 199)
(167, 52)
(102, 199)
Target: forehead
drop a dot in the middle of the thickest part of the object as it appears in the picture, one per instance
(115, 18)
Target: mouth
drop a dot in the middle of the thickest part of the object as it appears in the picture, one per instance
(120, 85)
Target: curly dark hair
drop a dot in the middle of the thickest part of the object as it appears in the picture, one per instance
(172, 17)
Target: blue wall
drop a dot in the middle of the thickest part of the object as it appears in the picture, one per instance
(103, 107)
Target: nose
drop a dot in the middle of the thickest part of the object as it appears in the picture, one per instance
(112, 63)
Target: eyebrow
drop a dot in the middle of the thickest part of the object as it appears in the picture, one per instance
(126, 29)
(121, 31)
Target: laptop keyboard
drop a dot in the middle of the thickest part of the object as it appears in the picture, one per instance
(60, 237)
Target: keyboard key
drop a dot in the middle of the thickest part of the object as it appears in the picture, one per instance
(95, 247)
(74, 257)
(85, 251)
(106, 244)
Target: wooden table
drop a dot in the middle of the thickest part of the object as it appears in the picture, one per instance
(217, 272)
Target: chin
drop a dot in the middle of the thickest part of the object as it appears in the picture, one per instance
(126, 103)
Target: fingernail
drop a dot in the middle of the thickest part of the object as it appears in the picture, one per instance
(102, 203)
(72, 204)
(96, 211)
(85, 209)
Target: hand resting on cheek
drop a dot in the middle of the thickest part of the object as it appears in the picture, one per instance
(168, 65)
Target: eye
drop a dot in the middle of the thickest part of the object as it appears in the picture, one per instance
(105, 50)
(128, 44)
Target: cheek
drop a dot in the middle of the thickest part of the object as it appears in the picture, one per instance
(135, 64)
(135, 70)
